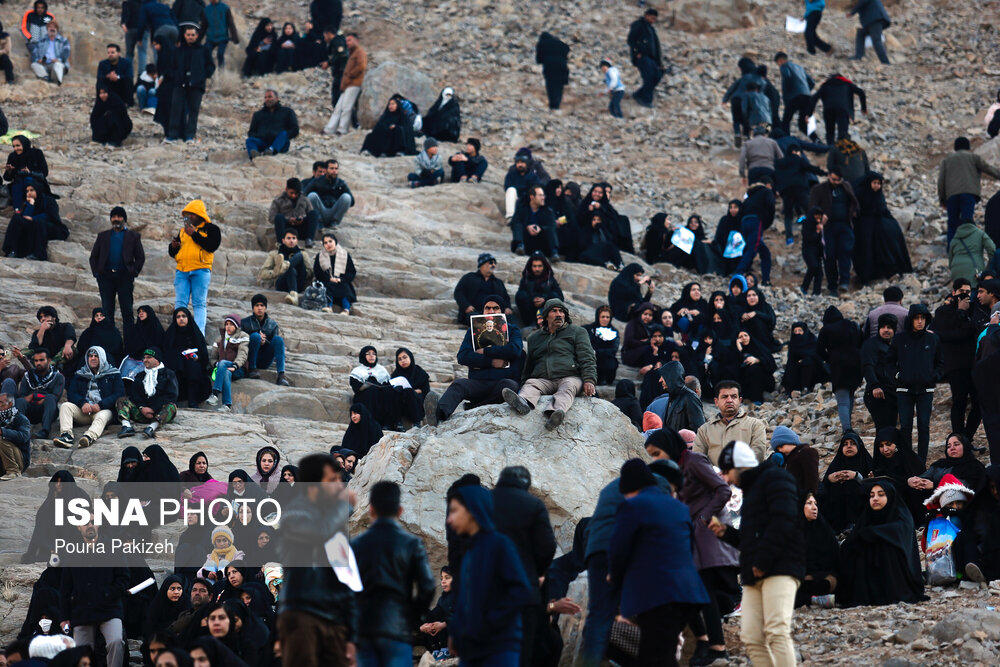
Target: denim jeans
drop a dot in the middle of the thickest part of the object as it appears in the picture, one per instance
(147, 99)
(601, 610)
(845, 407)
(132, 40)
(220, 52)
(294, 279)
(261, 356)
(960, 207)
(224, 380)
(922, 402)
(615, 105)
(279, 145)
(330, 215)
(193, 286)
(382, 652)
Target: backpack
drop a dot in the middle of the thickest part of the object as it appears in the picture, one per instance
(314, 297)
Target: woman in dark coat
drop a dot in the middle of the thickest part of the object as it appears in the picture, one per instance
(109, 121)
(411, 400)
(840, 489)
(657, 241)
(626, 401)
(605, 339)
(443, 120)
(260, 50)
(822, 555)
(553, 55)
(286, 48)
(757, 367)
(363, 431)
(339, 282)
(102, 333)
(728, 224)
(145, 333)
(597, 243)
(900, 464)
(392, 134)
(23, 161)
(721, 320)
(839, 345)
(35, 222)
(564, 210)
(169, 602)
(960, 461)
(635, 343)
(193, 368)
(879, 246)
(370, 382)
(165, 54)
(535, 287)
(880, 562)
(625, 292)
(803, 366)
(758, 318)
(197, 472)
(616, 225)
(690, 310)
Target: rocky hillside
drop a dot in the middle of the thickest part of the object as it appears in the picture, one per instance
(410, 247)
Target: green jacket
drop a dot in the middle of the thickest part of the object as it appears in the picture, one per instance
(565, 353)
(965, 254)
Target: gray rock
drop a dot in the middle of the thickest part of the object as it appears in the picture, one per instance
(385, 81)
(908, 633)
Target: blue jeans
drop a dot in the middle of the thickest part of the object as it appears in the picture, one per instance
(960, 207)
(839, 238)
(382, 652)
(615, 105)
(220, 52)
(505, 659)
(261, 356)
(279, 145)
(753, 237)
(224, 380)
(845, 406)
(330, 216)
(147, 99)
(601, 610)
(193, 286)
(651, 75)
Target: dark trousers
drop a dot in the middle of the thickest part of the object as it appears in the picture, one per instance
(554, 90)
(294, 279)
(478, 392)
(119, 284)
(991, 426)
(721, 585)
(42, 413)
(26, 237)
(813, 256)
(875, 32)
(884, 411)
(813, 40)
(836, 120)
(426, 178)
(8, 68)
(754, 174)
(960, 207)
(922, 403)
(753, 235)
(615, 104)
(660, 627)
(602, 606)
(545, 242)
(651, 75)
(798, 104)
(839, 239)
(795, 202)
(740, 124)
(184, 108)
(529, 633)
(306, 229)
(310, 641)
(810, 588)
(962, 389)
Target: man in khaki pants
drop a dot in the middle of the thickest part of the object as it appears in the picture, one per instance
(350, 87)
(560, 360)
(15, 439)
(91, 397)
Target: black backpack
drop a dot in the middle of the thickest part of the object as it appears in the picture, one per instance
(314, 297)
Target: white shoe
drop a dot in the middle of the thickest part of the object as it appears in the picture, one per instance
(213, 400)
(292, 297)
(150, 110)
(327, 309)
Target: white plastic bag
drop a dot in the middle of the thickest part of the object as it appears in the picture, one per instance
(794, 24)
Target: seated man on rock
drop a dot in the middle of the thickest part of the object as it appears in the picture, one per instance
(475, 283)
(560, 361)
(39, 392)
(91, 398)
(266, 343)
(330, 195)
(15, 439)
(319, 172)
(290, 210)
(286, 267)
(533, 227)
(519, 178)
(272, 127)
(151, 397)
(491, 370)
(430, 170)
(468, 165)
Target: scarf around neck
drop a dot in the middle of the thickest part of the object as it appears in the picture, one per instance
(7, 416)
(339, 261)
(40, 384)
(149, 381)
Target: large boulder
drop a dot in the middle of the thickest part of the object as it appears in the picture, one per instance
(385, 81)
(702, 16)
(569, 466)
(990, 151)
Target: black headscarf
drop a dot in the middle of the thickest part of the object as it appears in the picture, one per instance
(102, 334)
(126, 474)
(860, 462)
(178, 338)
(162, 612)
(109, 120)
(362, 436)
(685, 301)
(803, 345)
(259, 33)
(415, 375)
(145, 333)
(624, 291)
(822, 548)
(30, 157)
(190, 476)
(363, 352)
(275, 470)
(158, 468)
(966, 468)
(903, 465)
(219, 655)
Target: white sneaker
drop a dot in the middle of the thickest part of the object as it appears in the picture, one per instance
(292, 297)
(150, 110)
(13, 474)
(213, 400)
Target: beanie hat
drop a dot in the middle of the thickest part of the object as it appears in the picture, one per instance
(293, 184)
(49, 646)
(605, 62)
(119, 211)
(235, 319)
(153, 351)
(258, 298)
(784, 436)
(962, 144)
(430, 142)
(948, 490)
(687, 436)
(474, 143)
(222, 530)
(491, 298)
(888, 320)
(485, 257)
(737, 454)
(635, 476)
(651, 420)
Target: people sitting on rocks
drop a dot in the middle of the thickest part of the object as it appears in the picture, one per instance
(392, 134)
(372, 388)
(24, 162)
(285, 267)
(266, 342)
(363, 432)
(491, 370)
(15, 439)
(533, 227)
(430, 169)
(147, 332)
(197, 472)
(518, 181)
(147, 89)
(290, 210)
(272, 127)
(625, 292)
(329, 195)
(605, 339)
(151, 398)
(286, 57)
(443, 120)
(39, 392)
(475, 285)
(109, 121)
(261, 50)
(50, 55)
(57, 338)
(334, 268)
(185, 348)
(412, 397)
(34, 22)
(229, 355)
(538, 285)
(34, 223)
(559, 362)
(840, 491)
(615, 227)
(91, 397)
(115, 73)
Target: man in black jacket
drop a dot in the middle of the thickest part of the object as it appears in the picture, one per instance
(151, 397)
(193, 67)
(840, 209)
(756, 215)
(837, 94)
(958, 332)
(533, 227)
(644, 47)
(553, 55)
(771, 540)
(523, 518)
(397, 580)
(39, 392)
(791, 180)
(329, 195)
(915, 359)
(272, 128)
(266, 342)
(317, 614)
(336, 58)
(116, 73)
(475, 286)
(116, 260)
(880, 381)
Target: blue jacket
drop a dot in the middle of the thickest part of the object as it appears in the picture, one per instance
(814, 6)
(602, 521)
(492, 590)
(39, 48)
(869, 12)
(480, 366)
(18, 431)
(795, 81)
(155, 15)
(111, 387)
(651, 555)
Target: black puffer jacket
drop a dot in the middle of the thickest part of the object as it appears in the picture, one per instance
(837, 345)
(915, 356)
(684, 410)
(193, 67)
(398, 583)
(92, 595)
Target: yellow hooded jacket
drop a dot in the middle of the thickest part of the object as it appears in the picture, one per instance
(197, 252)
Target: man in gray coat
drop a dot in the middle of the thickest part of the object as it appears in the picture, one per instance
(874, 20)
(796, 92)
(959, 184)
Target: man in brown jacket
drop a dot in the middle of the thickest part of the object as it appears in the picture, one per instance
(350, 87)
(730, 424)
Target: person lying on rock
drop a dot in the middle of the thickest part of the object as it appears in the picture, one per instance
(272, 127)
(329, 194)
(151, 398)
(430, 169)
(266, 343)
(560, 361)
(468, 165)
(491, 370)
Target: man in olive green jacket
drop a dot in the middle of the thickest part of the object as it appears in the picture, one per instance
(560, 361)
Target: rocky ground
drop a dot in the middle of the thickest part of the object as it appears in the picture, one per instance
(410, 247)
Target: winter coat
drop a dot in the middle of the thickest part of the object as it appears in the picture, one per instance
(821, 196)
(473, 287)
(196, 251)
(267, 326)
(18, 433)
(714, 434)
(235, 351)
(792, 172)
(133, 256)
(795, 81)
(553, 55)
(92, 595)
(870, 12)
(602, 519)
(803, 464)
(110, 385)
(565, 353)
(392, 563)
(328, 191)
(706, 494)
(267, 124)
(524, 519)
(354, 70)
(481, 366)
(960, 173)
(684, 411)
(166, 390)
(837, 94)
(852, 167)
(274, 266)
(916, 356)
(837, 345)
(193, 66)
(284, 206)
(644, 42)
(756, 107)
(957, 332)
(217, 18)
(154, 15)
(759, 152)
(965, 254)
(759, 202)
(878, 375)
